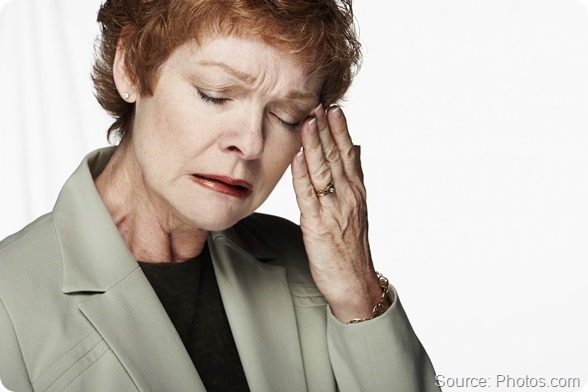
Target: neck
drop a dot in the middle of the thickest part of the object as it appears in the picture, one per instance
(145, 221)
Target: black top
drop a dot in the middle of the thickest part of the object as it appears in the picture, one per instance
(189, 293)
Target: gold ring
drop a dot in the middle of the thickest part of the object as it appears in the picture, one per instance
(326, 190)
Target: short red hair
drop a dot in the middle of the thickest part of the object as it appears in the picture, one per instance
(320, 33)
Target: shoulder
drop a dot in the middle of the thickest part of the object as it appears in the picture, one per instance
(28, 258)
(29, 242)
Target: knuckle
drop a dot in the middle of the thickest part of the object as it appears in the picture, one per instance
(349, 153)
(332, 155)
(309, 193)
(323, 126)
(324, 174)
(356, 196)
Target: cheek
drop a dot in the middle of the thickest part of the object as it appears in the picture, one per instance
(170, 127)
(285, 147)
(280, 156)
(161, 140)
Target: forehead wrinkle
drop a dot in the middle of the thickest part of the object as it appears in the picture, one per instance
(300, 95)
(243, 76)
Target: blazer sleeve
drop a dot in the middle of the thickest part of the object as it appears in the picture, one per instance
(13, 373)
(382, 354)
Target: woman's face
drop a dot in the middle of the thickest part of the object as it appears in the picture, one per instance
(221, 128)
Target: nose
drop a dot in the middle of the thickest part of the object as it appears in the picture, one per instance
(247, 138)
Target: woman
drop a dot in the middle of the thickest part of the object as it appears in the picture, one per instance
(154, 273)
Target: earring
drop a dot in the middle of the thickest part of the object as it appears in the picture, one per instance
(126, 96)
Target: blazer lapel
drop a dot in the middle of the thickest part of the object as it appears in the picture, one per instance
(132, 321)
(260, 311)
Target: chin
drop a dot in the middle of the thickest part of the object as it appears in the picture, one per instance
(217, 222)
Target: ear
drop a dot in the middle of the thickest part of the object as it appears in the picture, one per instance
(122, 80)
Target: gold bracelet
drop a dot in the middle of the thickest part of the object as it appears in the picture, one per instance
(379, 308)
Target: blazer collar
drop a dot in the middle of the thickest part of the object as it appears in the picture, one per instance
(95, 256)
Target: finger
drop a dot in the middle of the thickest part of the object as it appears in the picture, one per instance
(348, 152)
(330, 149)
(318, 168)
(303, 188)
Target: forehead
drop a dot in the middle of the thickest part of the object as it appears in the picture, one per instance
(248, 59)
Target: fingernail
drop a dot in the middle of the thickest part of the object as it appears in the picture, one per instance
(299, 155)
(319, 109)
(312, 124)
(336, 111)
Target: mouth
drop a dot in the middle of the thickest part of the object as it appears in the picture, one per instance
(226, 185)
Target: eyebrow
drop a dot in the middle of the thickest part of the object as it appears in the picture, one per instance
(249, 79)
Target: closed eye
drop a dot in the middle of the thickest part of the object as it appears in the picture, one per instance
(291, 126)
(288, 125)
(213, 100)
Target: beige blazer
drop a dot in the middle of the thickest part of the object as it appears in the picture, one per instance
(77, 313)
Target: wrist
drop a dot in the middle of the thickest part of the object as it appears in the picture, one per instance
(361, 301)
(382, 303)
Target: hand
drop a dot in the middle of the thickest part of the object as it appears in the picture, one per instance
(335, 226)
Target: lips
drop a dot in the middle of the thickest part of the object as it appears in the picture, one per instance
(226, 185)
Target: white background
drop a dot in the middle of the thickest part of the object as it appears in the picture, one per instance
(473, 118)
